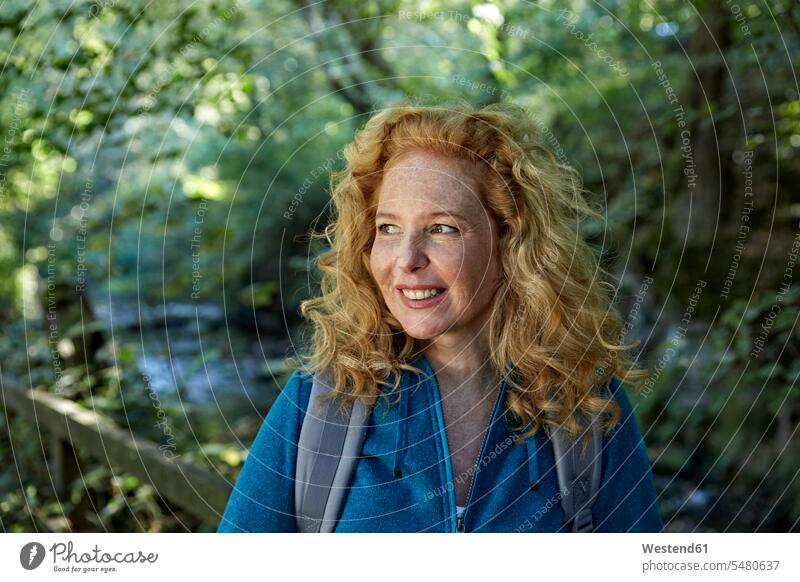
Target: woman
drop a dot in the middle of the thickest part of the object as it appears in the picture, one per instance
(461, 307)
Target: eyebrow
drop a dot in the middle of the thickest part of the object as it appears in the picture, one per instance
(430, 215)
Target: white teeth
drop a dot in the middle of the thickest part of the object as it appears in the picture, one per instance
(420, 294)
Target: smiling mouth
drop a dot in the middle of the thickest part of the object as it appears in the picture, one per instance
(427, 298)
(418, 295)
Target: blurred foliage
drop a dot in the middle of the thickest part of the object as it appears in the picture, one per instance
(722, 414)
(161, 164)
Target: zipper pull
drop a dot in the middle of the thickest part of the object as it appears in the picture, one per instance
(460, 524)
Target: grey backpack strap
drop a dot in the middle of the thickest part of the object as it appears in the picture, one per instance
(328, 450)
(578, 476)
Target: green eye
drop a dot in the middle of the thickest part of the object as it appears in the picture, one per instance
(440, 226)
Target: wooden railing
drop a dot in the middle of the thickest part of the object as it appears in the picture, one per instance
(67, 426)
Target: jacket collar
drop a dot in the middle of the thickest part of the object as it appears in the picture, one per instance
(428, 381)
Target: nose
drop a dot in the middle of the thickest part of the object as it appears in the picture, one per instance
(411, 255)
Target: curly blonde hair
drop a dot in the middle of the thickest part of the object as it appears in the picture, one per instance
(554, 336)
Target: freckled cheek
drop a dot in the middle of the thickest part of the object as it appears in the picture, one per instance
(380, 267)
(478, 272)
(454, 265)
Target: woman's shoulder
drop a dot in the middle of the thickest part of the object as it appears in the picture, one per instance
(617, 390)
(627, 500)
(299, 381)
(626, 433)
(292, 400)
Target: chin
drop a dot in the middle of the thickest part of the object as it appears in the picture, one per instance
(420, 335)
(422, 332)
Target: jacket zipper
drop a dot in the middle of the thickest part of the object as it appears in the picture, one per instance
(459, 521)
(451, 492)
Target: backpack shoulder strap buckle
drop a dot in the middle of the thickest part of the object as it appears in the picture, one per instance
(579, 474)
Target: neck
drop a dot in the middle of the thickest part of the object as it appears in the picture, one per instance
(462, 363)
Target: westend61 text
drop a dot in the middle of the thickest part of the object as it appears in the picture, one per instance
(672, 549)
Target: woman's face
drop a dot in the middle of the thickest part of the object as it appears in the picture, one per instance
(435, 254)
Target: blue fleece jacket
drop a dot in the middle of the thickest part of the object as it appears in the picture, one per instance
(404, 479)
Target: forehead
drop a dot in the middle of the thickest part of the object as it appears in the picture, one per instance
(432, 182)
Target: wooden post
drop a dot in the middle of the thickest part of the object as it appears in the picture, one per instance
(63, 467)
